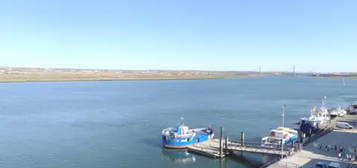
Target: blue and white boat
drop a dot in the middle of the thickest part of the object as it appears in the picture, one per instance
(182, 136)
(318, 119)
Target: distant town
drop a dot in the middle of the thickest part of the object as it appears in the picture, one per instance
(23, 74)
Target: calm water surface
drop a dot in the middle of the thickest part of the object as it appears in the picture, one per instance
(117, 124)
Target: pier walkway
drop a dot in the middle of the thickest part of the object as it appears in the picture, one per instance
(213, 148)
(257, 148)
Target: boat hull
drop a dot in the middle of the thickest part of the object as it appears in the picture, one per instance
(179, 144)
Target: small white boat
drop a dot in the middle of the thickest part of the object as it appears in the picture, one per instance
(342, 112)
(353, 108)
(280, 135)
(334, 112)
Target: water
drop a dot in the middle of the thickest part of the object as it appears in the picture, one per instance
(118, 123)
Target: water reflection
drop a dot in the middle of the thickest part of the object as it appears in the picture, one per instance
(180, 156)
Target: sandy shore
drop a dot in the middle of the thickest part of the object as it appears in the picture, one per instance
(42, 74)
(317, 151)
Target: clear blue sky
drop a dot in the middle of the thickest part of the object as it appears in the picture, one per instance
(315, 35)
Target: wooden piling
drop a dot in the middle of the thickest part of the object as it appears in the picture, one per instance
(226, 143)
(242, 137)
(220, 143)
(226, 151)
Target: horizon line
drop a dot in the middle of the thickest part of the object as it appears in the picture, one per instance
(201, 70)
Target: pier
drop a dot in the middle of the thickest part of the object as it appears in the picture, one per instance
(322, 145)
(222, 147)
(219, 148)
(212, 148)
(302, 154)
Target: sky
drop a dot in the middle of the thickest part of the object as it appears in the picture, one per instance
(238, 35)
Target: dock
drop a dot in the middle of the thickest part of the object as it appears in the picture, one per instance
(209, 148)
(212, 148)
(302, 154)
(292, 155)
(222, 147)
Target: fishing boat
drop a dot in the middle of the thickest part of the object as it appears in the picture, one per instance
(320, 115)
(182, 136)
(318, 119)
(280, 135)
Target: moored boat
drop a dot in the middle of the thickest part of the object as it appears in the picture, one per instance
(318, 119)
(334, 112)
(182, 136)
(280, 135)
(353, 108)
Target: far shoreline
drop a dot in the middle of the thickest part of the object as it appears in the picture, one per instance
(23, 75)
(108, 80)
(19, 74)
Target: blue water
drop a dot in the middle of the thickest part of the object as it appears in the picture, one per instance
(116, 124)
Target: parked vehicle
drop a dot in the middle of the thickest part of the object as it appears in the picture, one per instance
(344, 125)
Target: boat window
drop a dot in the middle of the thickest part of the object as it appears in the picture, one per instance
(275, 141)
(272, 133)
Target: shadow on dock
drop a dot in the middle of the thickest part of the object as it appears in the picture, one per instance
(253, 159)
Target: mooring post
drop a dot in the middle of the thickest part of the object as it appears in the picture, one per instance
(220, 143)
(242, 138)
(282, 149)
(226, 144)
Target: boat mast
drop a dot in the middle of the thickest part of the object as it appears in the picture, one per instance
(323, 101)
(181, 120)
(260, 69)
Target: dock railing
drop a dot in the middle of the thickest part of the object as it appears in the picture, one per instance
(259, 145)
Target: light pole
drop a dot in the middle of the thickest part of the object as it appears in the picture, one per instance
(283, 115)
(282, 139)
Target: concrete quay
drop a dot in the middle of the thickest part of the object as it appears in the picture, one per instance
(326, 149)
